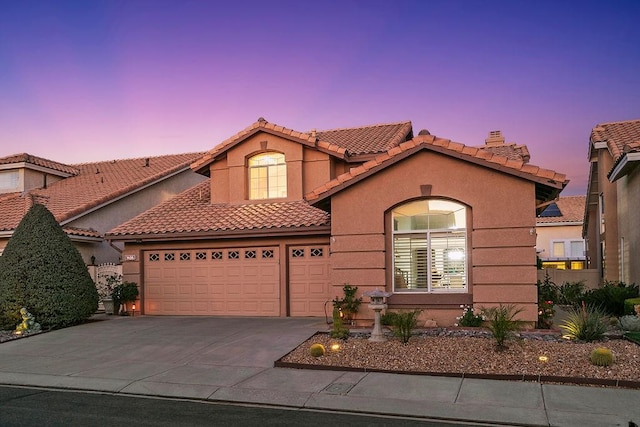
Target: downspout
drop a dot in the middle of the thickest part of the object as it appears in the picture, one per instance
(114, 246)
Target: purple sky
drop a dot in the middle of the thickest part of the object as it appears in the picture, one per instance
(99, 80)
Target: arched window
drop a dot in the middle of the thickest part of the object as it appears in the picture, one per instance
(267, 176)
(430, 246)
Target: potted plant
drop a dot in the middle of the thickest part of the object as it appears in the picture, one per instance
(123, 294)
(105, 286)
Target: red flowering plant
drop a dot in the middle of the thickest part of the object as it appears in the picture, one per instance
(545, 314)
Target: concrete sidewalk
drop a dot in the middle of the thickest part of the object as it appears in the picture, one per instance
(231, 360)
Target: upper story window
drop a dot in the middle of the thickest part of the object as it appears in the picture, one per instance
(430, 247)
(267, 176)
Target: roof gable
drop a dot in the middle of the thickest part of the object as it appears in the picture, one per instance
(27, 160)
(548, 183)
(622, 140)
(346, 144)
(95, 184)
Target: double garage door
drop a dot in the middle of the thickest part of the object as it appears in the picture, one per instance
(236, 281)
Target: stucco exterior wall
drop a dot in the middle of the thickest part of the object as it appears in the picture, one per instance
(628, 188)
(610, 236)
(306, 168)
(545, 234)
(501, 262)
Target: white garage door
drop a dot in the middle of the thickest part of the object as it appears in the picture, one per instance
(235, 281)
(309, 286)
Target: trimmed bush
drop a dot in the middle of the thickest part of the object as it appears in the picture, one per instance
(41, 270)
(611, 296)
(602, 356)
(629, 303)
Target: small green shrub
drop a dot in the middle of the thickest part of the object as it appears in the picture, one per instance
(349, 304)
(469, 317)
(388, 317)
(630, 323)
(125, 292)
(602, 356)
(629, 305)
(403, 324)
(338, 330)
(585, 324)
(502, 323)
(570, 293)
(547, 290)
(611, 296)
(317, 350)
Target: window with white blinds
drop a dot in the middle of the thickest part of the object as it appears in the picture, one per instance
(429, 247)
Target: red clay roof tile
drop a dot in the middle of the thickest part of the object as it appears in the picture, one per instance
(571, 209)
(192, 212)
(38, 161)
(550, 178)
(95, 184)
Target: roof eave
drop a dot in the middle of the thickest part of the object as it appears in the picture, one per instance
(206, 235)
(623, 166)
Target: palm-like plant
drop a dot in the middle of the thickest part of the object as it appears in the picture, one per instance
(502, 323)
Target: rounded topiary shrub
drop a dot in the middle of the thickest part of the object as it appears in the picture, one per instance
(602, 356)
(41, 270)
(317, 350)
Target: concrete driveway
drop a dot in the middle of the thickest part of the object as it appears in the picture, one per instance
(231, 360)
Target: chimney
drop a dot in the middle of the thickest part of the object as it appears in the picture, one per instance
(495, 138)
(146, 162)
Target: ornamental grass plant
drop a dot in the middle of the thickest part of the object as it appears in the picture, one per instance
(587, 323)
(502, 324)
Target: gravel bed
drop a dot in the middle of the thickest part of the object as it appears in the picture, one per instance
(463, 352)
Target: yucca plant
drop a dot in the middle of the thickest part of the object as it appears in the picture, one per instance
(585, 324)
(502, 324)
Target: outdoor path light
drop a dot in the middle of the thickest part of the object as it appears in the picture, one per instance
(377, 304)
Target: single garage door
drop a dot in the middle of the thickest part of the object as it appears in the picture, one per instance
(309, 287)
(234, 281)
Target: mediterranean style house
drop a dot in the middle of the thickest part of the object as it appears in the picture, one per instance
(91, 198)
(612, 215)
(288, 218)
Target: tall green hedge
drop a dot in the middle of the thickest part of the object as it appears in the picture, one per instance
(41, 270)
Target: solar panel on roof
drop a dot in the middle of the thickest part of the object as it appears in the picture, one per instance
(551, 211)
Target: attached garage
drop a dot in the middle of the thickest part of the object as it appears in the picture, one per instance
(309, 287)
(233, 281)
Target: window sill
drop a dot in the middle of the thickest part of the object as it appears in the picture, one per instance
(411, 299)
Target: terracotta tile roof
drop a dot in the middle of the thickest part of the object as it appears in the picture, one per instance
(511, 151)
(571, 209)
(553, 181)
(38, 161)
(192, 212)
(82, 232)
(368, 139)
(621, 137)
(338, 142)
(95, 184)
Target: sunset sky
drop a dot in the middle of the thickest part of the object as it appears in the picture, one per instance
(98, 80)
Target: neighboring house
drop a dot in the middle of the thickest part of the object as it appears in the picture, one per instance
(90, 198)
(559, 241)
(612, 215)
(288, 218)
